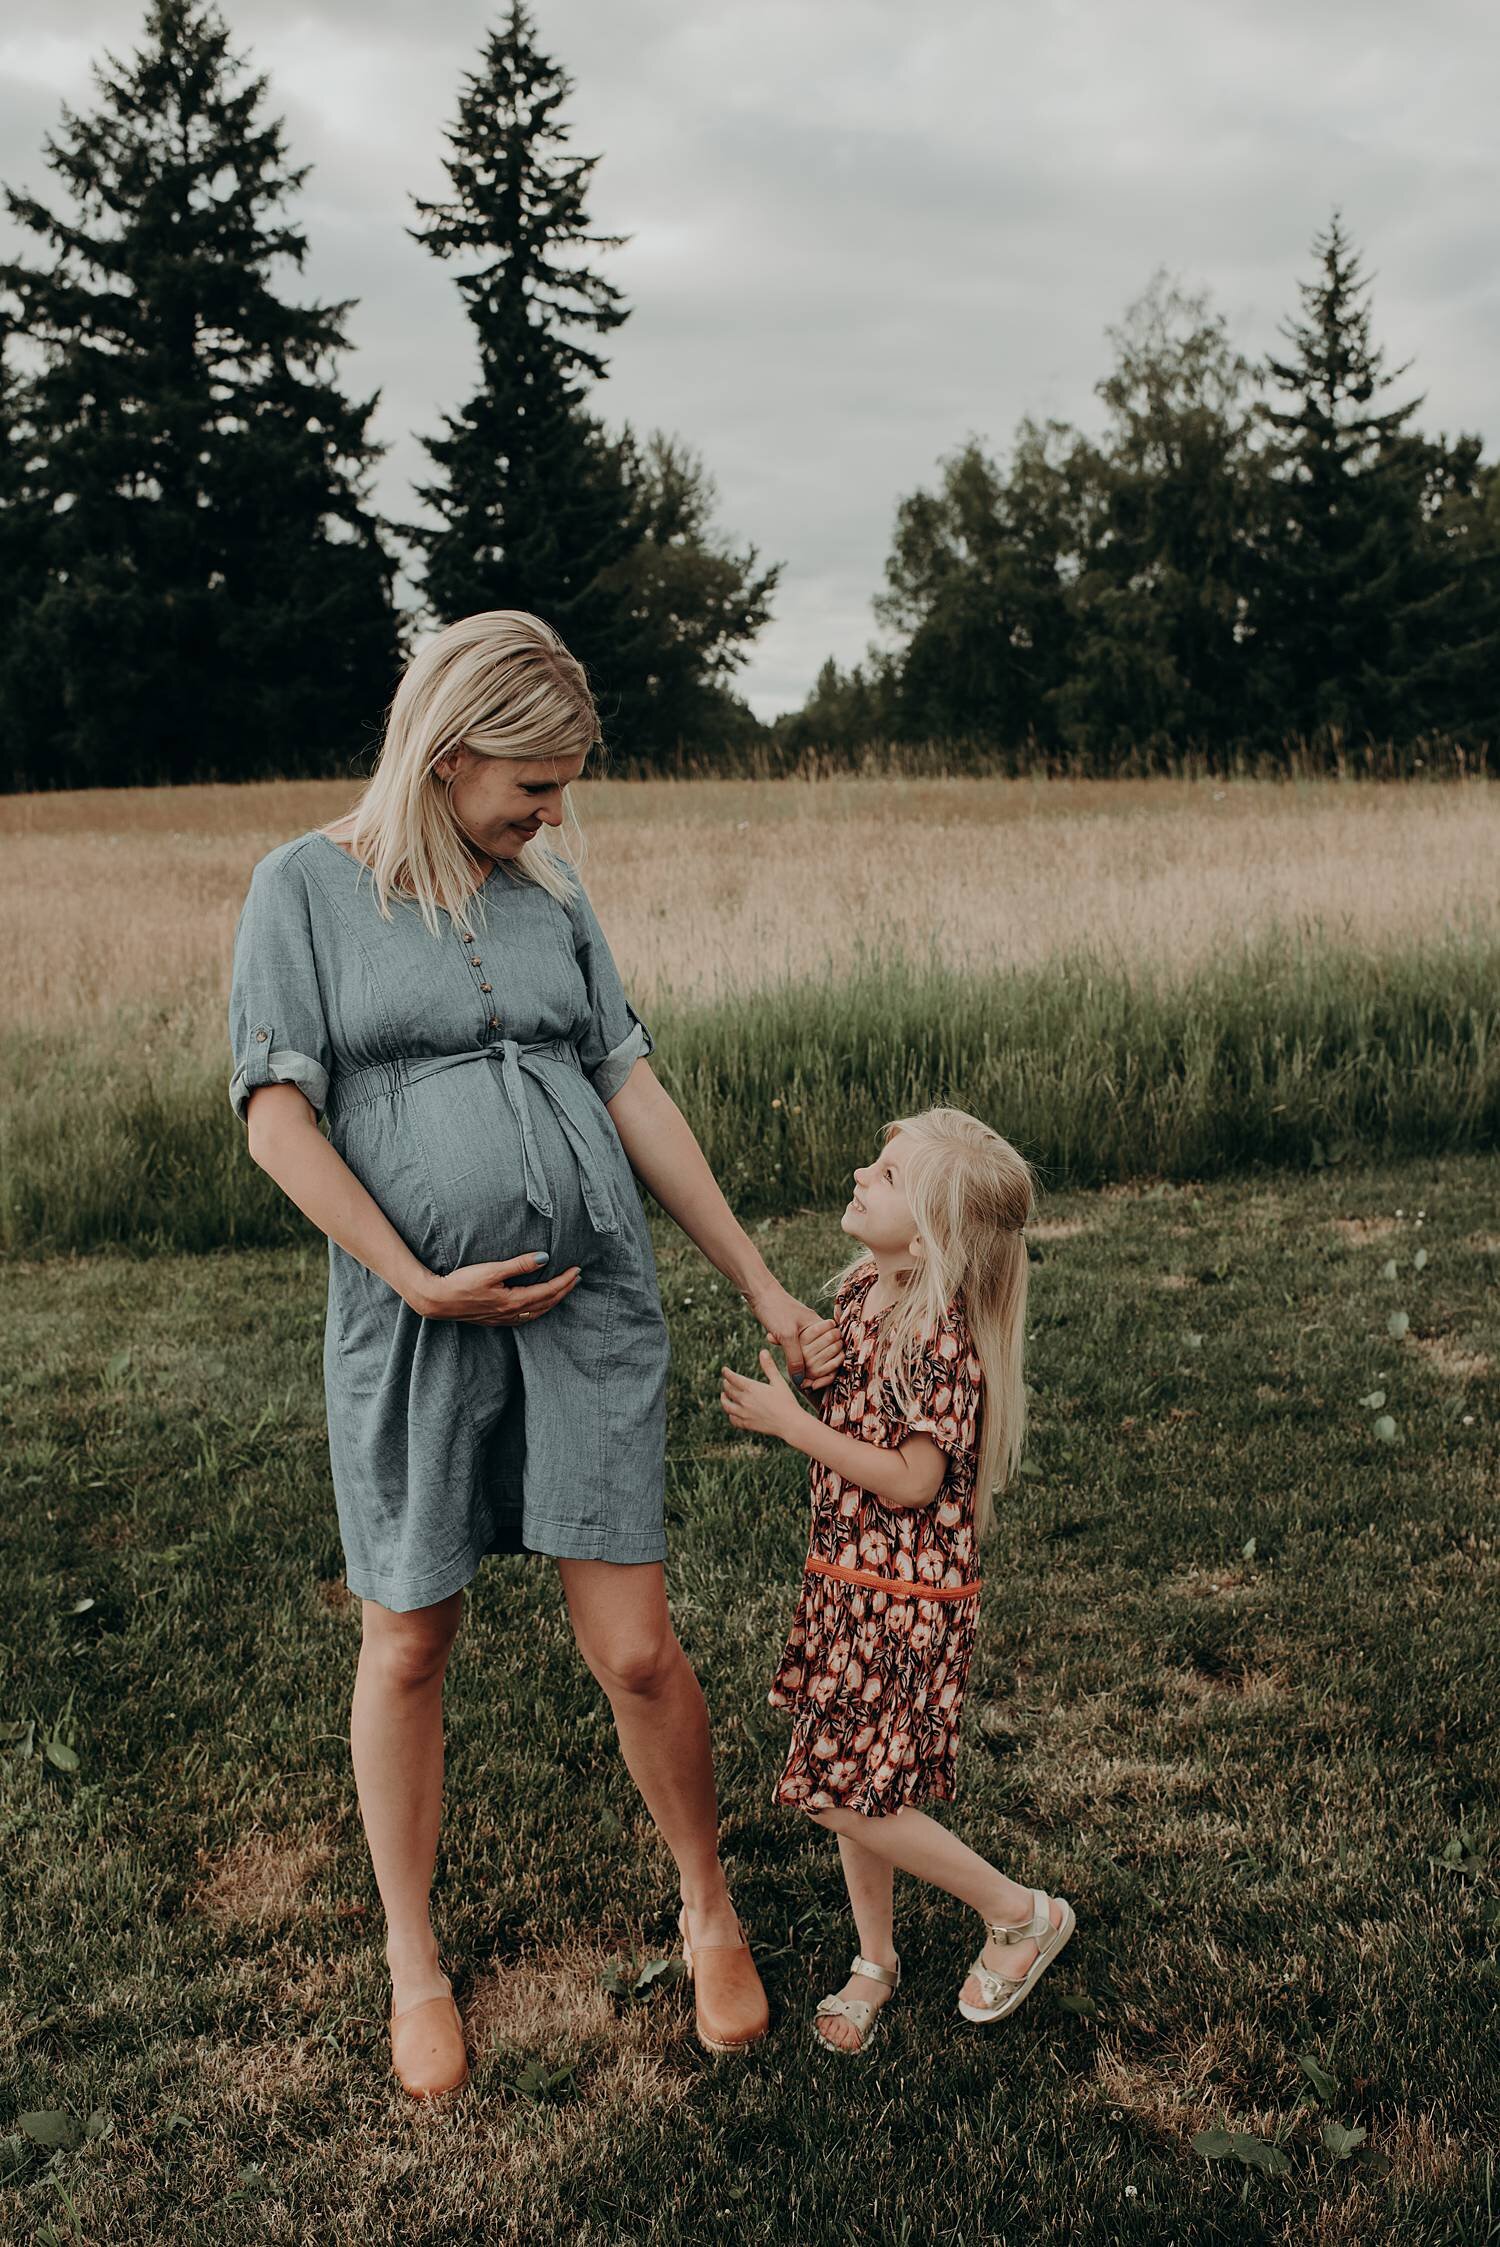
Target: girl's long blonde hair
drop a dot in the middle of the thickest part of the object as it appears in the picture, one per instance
(500, 683)
(970, 1195)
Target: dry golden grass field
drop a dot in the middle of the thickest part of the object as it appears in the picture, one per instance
(115, 901)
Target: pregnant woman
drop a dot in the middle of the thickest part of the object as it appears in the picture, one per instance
(428, 975)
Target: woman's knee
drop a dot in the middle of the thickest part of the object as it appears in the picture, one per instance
(638, 1664)
(409, 1651)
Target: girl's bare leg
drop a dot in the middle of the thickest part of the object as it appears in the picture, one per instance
(396, 1734)
(625, 1635)
(870, 1880)
(915, 1843)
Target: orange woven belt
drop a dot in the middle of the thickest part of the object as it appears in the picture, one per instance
(901, 1587)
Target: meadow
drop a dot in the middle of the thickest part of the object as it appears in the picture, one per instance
(1235, 1684)
(1138, 978)
(1233, 1694)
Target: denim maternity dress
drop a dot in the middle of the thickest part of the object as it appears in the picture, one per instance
(464, 1079)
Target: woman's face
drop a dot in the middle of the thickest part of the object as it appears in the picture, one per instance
(501, 802)
(879, 1213)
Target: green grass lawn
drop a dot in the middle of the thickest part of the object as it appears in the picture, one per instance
(1230, 1696)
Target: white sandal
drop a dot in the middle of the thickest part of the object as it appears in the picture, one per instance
(1002, 1994)
(857, 2011)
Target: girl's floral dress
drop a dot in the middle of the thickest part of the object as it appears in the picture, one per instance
(875, 1677)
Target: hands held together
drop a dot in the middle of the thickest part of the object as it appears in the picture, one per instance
(814, 1352)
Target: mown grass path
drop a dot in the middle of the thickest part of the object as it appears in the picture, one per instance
(1231, 1695)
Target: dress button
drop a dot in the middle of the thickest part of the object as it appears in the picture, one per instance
(261, 1036)
(468, 936)
(476, 962)
(494, 1021)
(486, 986)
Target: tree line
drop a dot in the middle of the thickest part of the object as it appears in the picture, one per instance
(1253, 559)
(196, 582)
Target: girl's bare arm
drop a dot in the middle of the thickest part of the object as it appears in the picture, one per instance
(910, 1475)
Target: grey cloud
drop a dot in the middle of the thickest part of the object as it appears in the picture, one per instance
(860, 231)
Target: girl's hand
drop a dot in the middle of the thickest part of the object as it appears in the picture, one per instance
(764, 1408)
(823, 1354)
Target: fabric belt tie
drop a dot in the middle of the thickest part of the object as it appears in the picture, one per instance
(512, 1057)
(515, 1060)
(900, 1587)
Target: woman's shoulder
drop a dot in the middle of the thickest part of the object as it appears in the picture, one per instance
(299, 882)
(291, 859)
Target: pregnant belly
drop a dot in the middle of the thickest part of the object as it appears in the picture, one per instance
(443, 1157)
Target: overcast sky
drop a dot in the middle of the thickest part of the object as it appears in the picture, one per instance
(862, 230)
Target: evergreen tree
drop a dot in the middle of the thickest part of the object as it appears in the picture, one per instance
(693, 605)
(847, 711)
(537, 506)
(1349, 616)
(209, 595)
(1162, 597)
(1460, 510)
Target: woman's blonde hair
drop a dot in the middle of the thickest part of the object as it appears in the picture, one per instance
(502, 684)
(970, 1195)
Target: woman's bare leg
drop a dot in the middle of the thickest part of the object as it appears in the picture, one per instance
(870, 1880)
(396, 1734)
(625, 1635)
(915, 1843)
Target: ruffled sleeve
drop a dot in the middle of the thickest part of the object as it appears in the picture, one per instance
(615, 1037)
(945, 1384)
(278, 1032)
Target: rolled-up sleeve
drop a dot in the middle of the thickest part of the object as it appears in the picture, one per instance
(615, 1038)
(278, 1033)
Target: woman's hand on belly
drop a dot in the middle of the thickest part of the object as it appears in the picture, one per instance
(482, 1294)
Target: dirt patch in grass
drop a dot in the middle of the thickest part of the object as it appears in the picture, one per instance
(1175, 1279)
(1450, 1358)
(551, 2007)
(1173, 2095)
(1194, 1582)
(1358, 1230)
(1057, 1228)
(260, 1880)
(246, 2079)
(554, 2001)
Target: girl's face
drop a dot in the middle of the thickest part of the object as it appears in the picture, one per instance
(879, 1213)
(501, 802)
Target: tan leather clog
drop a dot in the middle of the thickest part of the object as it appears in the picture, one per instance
(729, 1999)
(427, 2049)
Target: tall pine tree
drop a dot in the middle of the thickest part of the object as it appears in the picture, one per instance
(537, 506)
(1350, 616)
(209, 595)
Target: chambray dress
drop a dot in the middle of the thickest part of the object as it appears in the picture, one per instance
(463, 1078)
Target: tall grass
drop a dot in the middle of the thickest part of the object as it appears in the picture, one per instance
(783, 756)
(1275, 1052)
(707, 886)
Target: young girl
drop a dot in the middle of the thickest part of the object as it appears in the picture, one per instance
(924, 1419)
